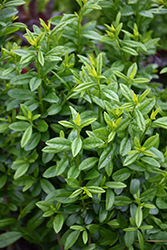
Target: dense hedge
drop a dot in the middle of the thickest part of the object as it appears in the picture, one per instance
(83, 130)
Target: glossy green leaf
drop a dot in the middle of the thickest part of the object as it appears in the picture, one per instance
(19, 126)
(150, 161)
(61, 166)
(130, 51)
(35, 83)
(42, 126)
(3, 180)
(9, 238)
(139, 216)
(161, 122)
(58, 223)
(141, 239)
(110, 197)
(71, 239)
(88, 163)
(115, 184)
(131, 159)
(121, 174)
(140, 120)
(26, 136)
(92, 142)
(129, 238)
(127, 93)
(46, 186)
(72, 183)
(76, 146)
(54, 109)
(60, 144)
(125, 146)
(150, 142)
(134, 186)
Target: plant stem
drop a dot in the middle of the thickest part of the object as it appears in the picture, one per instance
(137, 13)
(119, 47)
(58, 240)
(79, 31)
(40, 89)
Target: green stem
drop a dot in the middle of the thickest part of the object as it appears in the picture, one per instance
(119, 47)
(68, 95)
(48, 41)
(79, 31)
(100, 109)
(40, 89)
(137, 13)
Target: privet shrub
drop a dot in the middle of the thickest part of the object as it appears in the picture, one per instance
(83, 130)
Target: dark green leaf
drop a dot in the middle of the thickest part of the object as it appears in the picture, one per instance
(46, 186)
(110, 197)
(129, 238)
(121, 175)
(9, 238)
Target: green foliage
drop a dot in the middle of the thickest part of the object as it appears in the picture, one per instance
(83, 131)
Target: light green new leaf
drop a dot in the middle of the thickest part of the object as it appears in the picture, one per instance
(164, 70)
